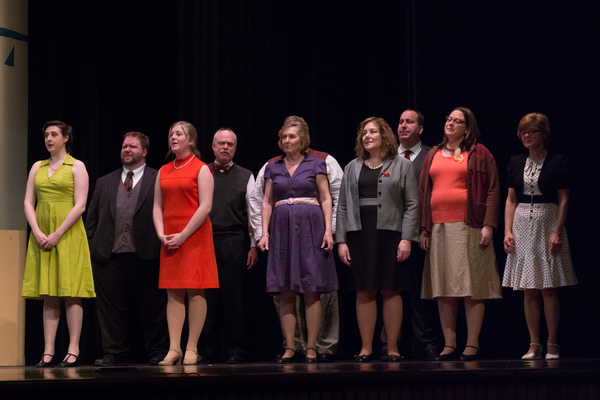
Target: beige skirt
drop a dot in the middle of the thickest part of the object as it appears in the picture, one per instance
(457, 266)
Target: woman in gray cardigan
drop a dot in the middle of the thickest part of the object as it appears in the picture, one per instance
(377, 218)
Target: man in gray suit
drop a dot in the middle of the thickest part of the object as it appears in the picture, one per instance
(125, 254)
(422, 312)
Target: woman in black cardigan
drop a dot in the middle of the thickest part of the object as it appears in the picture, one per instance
(535, 238)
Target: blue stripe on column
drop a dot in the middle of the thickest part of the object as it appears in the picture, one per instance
(12, 34)
(10, 61)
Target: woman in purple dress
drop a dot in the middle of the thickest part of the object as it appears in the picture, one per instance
(296, 219)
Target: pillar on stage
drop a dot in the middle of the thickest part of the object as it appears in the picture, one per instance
(13, 177)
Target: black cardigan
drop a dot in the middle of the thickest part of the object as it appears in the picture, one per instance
(553, 176)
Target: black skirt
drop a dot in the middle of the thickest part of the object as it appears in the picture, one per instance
(373, 255)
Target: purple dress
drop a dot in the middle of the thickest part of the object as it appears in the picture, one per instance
(296, 260)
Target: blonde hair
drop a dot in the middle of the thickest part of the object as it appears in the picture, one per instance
(300, 123)
(190, 133)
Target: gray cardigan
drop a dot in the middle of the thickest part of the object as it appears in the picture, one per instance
(397, 200)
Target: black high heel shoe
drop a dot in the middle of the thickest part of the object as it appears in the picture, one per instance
(364, 358)
(287, 360)
(44, 364)
(449, 356)
(470, 357)
(66, 363)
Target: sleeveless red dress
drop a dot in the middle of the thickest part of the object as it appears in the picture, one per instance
(193, 265)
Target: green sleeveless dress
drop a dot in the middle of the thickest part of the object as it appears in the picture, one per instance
(66, 270)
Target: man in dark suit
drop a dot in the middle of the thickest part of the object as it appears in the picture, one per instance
(125, 255)
(422, 312)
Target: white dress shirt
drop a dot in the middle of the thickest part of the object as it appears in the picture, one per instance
(137, 174)
(416, 149)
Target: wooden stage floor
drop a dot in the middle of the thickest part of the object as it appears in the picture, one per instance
(486, 379)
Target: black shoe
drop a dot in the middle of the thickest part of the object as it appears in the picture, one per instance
(470, 357)
(203, 359)
(364, 358)
(66, 363)
(430, 354)
(110, 360)
(45, 364)
(448, 357)
(235, 359)
(287, 360)
(394, 358)
(311, 360)
(155, 359)
(326, 357)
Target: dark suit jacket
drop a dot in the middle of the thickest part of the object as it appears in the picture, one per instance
(418, 161)
(100, 221)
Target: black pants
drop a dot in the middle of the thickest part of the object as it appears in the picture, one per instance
(125, 283)
(423, 313)
(224, 332)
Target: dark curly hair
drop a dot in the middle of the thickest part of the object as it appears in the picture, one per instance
(472, 130)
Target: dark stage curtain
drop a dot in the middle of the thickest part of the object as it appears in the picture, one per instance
(108, 67)
(248, 65)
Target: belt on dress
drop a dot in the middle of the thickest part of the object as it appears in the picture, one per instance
(367, 201)
(535, 199)
(298, 200)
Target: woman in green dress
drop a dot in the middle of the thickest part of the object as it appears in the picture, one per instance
(58, 258)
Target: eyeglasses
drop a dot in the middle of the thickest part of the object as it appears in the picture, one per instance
(532, 132)
(455, 120)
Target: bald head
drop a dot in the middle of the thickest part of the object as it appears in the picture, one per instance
(224, 145)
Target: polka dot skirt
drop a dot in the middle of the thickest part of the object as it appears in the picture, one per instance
(532, 266)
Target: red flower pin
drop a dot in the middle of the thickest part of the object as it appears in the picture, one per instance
(386, 174)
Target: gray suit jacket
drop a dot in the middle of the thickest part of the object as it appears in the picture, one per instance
(397, 201)
(418, 161)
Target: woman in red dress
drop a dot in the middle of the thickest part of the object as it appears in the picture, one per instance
(182, 200)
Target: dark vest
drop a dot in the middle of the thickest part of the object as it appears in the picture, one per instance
(125, 209)
(229, 213)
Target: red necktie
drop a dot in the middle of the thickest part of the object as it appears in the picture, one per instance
(407, 154)
(128, 181)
